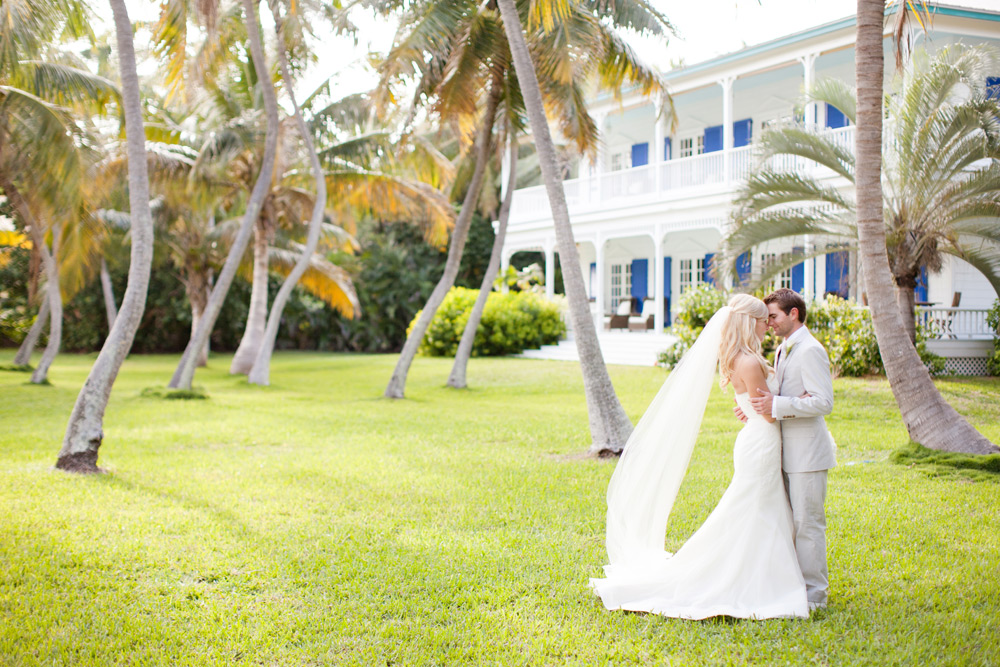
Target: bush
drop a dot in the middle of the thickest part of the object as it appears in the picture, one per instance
(694, 309)
(993, 319)
(511, 323)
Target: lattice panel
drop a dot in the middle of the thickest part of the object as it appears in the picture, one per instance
(965, 365)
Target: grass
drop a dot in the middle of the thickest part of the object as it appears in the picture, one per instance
(314, 522)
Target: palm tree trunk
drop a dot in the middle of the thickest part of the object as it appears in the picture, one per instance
(253, 334)
(397, 383)
(261, 371)
(23, 356)
(609, 425)
(929, 420)
(50, 261)
(185, 369)
(110, 309)
(85, 430)
(457, 377)
(905, 301)
(197, 289)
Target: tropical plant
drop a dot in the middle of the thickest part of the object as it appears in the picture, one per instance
(85, 430)
(941, 177)
(929, 420)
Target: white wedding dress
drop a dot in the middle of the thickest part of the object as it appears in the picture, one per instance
(740, 563)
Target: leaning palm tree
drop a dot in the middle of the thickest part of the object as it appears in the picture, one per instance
(941, 178)
(928, 418)
(609, 425)
(85, 431)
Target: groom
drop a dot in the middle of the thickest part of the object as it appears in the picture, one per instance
(805, 394)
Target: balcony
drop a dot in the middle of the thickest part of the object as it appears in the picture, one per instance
(663, 181)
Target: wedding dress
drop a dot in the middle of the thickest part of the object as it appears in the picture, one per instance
(741, 562)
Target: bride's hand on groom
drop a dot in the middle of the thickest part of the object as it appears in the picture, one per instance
(739, 412)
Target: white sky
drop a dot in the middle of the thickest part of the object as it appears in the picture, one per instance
(706, 28)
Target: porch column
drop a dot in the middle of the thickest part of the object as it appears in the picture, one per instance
(658, 279)
(809, 272)
(505, 170)
(599, 291)
(809, 74)
(597, 161)
(504, 265)
(550, 269)
(727, 126)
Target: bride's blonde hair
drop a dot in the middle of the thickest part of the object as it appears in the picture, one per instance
(738, 337)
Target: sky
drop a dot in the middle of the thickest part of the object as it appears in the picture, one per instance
(705, 29)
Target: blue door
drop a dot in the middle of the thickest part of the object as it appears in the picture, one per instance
(640, 154)
(742, 132)
(920, 291)
(713, 139)
(798, 272)
(837, 273)
(708, 268)
(744, 266)
(993, 87)
(835, 117)
(640, 279)
(667, 265)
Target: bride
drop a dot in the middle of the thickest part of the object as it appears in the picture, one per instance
(741, 562)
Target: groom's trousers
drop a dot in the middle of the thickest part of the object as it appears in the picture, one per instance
(807, 496)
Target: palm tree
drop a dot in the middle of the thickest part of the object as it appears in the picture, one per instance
(85, 431)
(609, 425)
(928, 418)
(184, 374)
(939, 196)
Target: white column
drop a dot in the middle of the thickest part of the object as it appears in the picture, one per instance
(727, 126)
(808, 271)
(599, 291)
(597, 162)
(657, 145)
(504, 265)
(809, 74)
(505, 170)
(657, 274)
(550, 269)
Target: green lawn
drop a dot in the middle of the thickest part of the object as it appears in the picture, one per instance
(314, 522)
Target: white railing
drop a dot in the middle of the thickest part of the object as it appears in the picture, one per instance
(661, 180)
(955, 323)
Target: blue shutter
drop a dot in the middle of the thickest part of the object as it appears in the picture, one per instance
(593, 279)
(713, 139)
(742, 132)
(708, 266)
(640, 279)
(835, 117)
(837, 268)
(668, 149)
(798, 272)
(667, 266)
(744, 265)
(993, 87)
(920, 291)
(640, 154)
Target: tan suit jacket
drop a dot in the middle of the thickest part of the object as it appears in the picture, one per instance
(806, 444)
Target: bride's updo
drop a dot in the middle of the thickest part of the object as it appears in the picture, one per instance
(738, 337)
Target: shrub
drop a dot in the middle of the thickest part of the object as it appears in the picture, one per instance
(993, 320)
(694, 309)
(511, 323)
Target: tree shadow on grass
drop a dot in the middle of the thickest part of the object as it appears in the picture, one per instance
(948, 465)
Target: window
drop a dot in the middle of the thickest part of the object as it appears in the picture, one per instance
(783, 279)
(621, 160)
(778, 123)
(692, 273)
(621, 284)
(692, 146)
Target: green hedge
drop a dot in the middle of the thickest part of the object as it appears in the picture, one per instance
(511, 323)
(845, 331)
(993, 319)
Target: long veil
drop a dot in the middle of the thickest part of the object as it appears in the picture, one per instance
(649, 474)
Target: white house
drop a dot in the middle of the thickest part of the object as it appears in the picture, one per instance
(649, 212)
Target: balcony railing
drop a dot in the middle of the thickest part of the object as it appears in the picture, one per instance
(955, 323)
(654, 182)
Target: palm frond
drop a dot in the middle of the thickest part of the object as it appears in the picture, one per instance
(322, 279)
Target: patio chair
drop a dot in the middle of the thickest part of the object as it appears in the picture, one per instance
(620, 319)
(943, 324)
(644, 320)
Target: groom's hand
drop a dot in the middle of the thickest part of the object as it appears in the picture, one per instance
(762, 404)
(739, 412)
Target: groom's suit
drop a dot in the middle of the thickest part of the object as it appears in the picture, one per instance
(805, 394)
